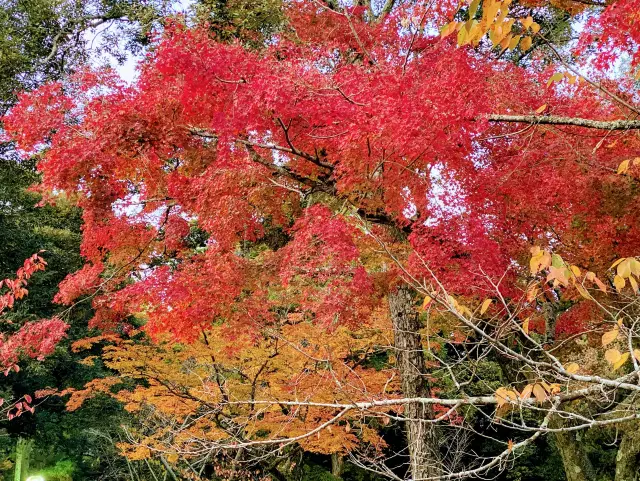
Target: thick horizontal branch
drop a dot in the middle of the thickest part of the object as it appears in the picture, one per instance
(574, 121)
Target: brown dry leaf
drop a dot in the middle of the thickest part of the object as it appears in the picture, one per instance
(526, 392)
(539, 393)
(554, 388)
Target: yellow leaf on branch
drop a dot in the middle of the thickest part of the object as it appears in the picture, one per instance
(543, 107)
(539, 393)
(624, 268)
(526, 392)
(610, 336)
(572, 368)
(427, 300)
(612, 356)
(485, 305)
(620, 362)
(623, 167)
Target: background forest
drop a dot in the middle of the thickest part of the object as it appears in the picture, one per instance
(320, 240)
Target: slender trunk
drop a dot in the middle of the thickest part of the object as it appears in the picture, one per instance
(167, 467)
(337, 464)
(577, 466)
(23, 455)
(627, 466)
(550, 312)
(421, 436)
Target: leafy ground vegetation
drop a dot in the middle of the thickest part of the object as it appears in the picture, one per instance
(320, 240)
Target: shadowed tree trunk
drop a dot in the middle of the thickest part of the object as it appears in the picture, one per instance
(23, 455)
(627, 466)
(421, 436)
(577, 466)
(337, 464)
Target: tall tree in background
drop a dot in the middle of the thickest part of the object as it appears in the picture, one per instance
(41, 41)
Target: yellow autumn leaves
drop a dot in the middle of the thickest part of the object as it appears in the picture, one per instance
(624, 166)
(457, 306)
(558, 76)
(560, 273)
(494, 21)
(613, 356)
(626, 269)
(541, 391)
(616, 358)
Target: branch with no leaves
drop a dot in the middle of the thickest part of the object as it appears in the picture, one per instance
(573, 121)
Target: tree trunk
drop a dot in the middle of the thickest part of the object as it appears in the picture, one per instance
(550, 312)
(168, 469)
(23, 455)
(577, 466)
(627, 465)
(337, 464)
(421, 436)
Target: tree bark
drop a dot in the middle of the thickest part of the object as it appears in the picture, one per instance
(422, 437)
(168, 469)
(337, 465)
(575, 121)
(577, 466)
(627, 466)
(23, 456)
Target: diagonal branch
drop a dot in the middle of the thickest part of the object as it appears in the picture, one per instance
(313, 159)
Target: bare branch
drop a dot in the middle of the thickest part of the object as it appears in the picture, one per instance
(575, 121)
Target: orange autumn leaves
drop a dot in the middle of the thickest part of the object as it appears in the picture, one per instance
(247, 382)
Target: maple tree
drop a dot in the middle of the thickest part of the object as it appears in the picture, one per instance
(34, 339)
(179, 395)
(30, 339)
(356, 162)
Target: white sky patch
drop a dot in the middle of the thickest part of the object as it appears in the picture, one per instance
(445, 199)
(411, 210)
(130, 206)
(128, 70)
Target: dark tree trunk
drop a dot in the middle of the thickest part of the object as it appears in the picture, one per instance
(627, 466)
(577, 466)
(422, 437)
